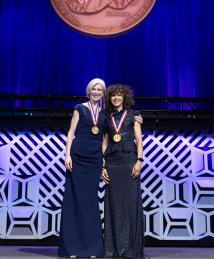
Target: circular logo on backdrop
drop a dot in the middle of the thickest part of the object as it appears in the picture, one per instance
(103, 17)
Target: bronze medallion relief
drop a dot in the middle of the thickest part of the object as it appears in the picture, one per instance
(103, 17)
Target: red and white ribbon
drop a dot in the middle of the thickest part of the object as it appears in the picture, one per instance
(94, 114)
(117, 128)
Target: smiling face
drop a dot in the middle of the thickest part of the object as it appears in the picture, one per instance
(117, 100)
(96, 93)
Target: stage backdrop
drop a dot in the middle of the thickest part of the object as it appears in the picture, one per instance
(169, 54)
(177, 183)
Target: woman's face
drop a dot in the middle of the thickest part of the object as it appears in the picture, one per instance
(96, 93)
(117, 100)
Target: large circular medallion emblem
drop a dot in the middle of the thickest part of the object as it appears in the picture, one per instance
(103, 17)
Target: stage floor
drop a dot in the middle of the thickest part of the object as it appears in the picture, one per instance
(33, 252)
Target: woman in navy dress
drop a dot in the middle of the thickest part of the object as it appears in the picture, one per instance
(81, 228)
(123, 224)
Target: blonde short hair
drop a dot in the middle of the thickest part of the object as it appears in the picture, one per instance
(94, 82)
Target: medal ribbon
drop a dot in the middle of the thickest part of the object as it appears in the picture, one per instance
(94, 115)
(117, 128)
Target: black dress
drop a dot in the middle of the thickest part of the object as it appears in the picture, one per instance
(81, 228)
(124, 230)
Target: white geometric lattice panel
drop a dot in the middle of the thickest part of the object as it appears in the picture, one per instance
(177, 183)
(32, 182)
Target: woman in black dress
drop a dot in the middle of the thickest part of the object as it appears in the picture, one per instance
(122, 147)
(81, 229)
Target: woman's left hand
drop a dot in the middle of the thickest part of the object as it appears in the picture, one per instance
(139, 119)
(105, 176)
(136, 169)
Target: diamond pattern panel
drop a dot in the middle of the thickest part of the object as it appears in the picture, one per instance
(177, 183)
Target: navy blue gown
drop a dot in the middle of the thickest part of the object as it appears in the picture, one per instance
(81, 228)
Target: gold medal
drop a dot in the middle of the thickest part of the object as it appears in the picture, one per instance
(95, 118)
(95, 130)
(117, 137)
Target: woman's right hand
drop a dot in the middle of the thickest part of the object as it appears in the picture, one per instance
(105, 176)
(68, 163)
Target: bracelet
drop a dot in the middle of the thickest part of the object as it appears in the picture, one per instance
(140, 159)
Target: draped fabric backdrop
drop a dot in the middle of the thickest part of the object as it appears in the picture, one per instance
(169, 54)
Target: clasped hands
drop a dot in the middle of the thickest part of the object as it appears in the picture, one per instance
(135, 172)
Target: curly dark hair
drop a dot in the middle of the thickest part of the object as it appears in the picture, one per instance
(125, 90)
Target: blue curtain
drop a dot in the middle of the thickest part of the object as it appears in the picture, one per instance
(169, 54)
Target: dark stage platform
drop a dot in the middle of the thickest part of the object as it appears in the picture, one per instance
(7, 252)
